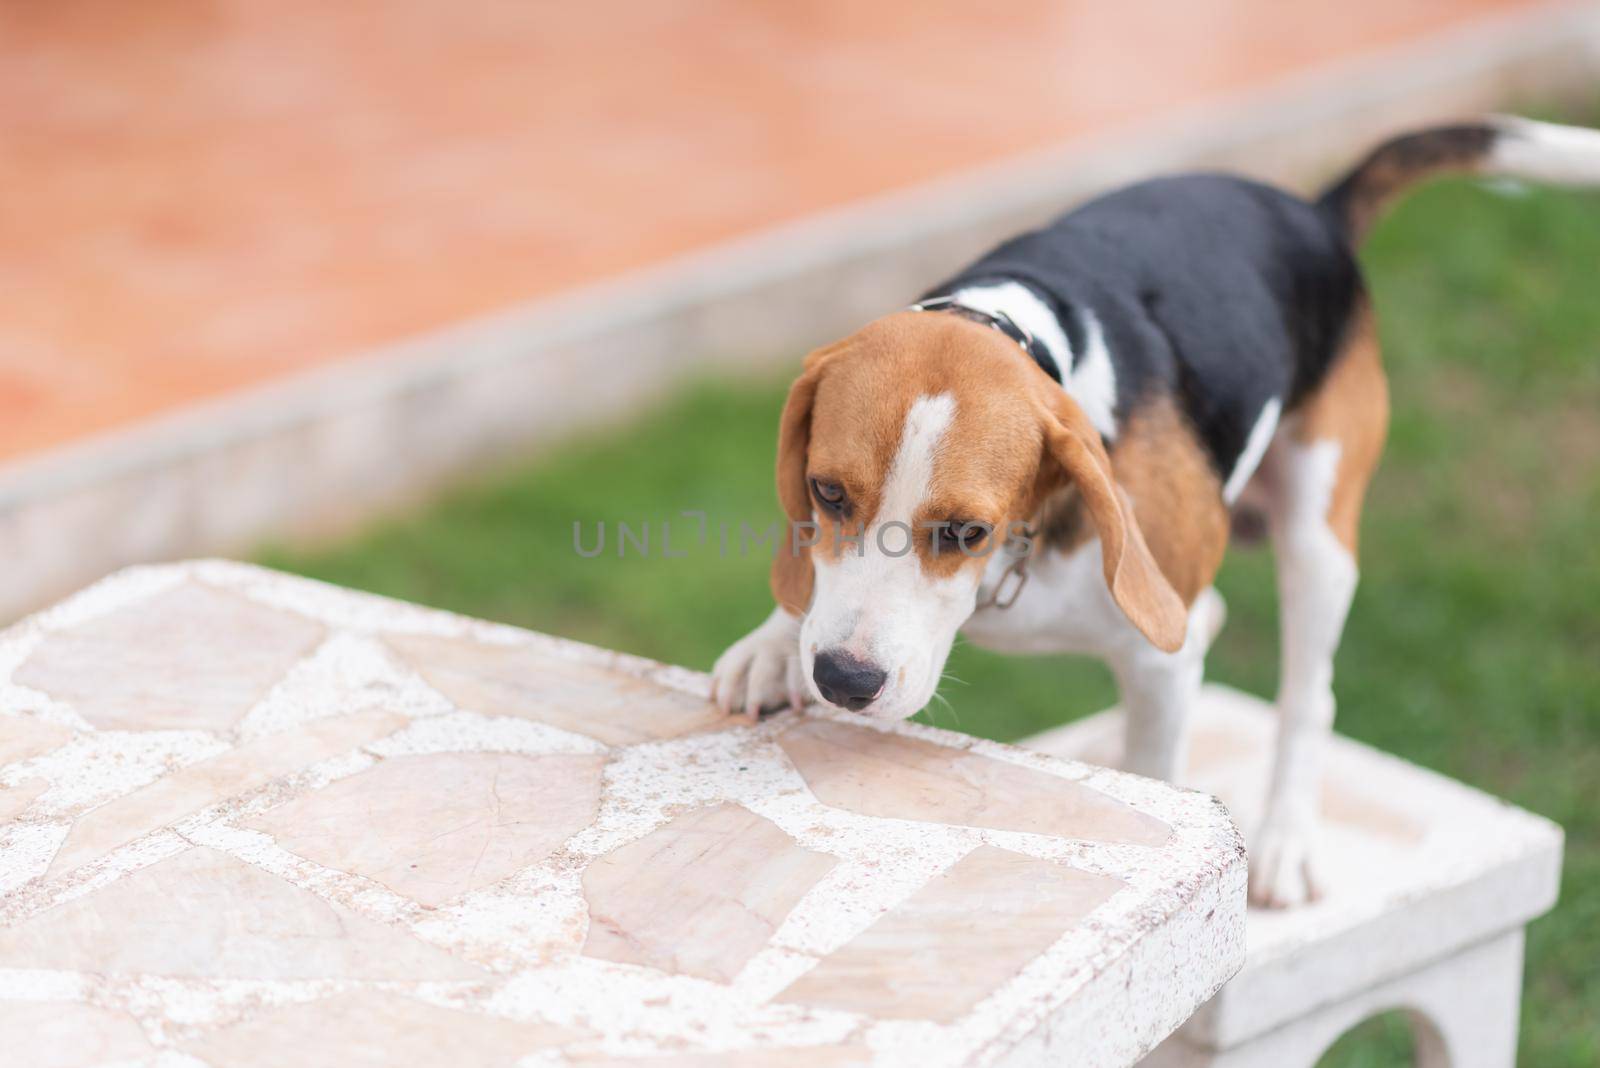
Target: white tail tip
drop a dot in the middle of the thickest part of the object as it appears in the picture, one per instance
(1545, 152)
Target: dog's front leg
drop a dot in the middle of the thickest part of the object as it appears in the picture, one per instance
(761, 671)
(1159, 691)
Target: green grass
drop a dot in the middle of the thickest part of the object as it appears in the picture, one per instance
(1473, 646)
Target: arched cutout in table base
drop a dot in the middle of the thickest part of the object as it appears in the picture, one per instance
(1395, 1038)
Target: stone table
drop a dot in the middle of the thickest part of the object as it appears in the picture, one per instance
(1428, 885)
(248, 819)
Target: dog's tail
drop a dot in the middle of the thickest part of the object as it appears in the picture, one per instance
(1499, 146)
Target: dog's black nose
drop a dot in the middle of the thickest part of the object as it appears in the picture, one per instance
(847, 682)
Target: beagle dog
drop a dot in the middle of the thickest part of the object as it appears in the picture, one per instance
(1047, 454)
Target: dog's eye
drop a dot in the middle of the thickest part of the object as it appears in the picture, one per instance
(828, 494)
(962, 536)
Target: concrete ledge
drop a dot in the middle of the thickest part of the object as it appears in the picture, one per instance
(316, 453)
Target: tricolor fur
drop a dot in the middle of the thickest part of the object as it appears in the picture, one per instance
(1201, 345)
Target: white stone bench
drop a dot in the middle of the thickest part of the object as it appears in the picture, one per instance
(248, 820)
(1430, 886)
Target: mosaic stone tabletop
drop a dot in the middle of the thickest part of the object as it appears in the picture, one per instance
(252, 820)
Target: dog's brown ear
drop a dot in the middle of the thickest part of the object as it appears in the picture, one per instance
(791, 566)
(1136, 582)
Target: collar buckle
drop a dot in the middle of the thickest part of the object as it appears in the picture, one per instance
(1010, 586)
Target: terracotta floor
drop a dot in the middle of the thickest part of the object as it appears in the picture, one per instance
(201, 194)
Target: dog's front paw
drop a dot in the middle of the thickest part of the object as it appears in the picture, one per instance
(1283, 870)
(761, 671)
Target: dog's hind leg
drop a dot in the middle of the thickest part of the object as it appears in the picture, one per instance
(1316, 474)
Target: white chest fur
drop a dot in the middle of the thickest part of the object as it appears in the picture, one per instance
(1064, 607)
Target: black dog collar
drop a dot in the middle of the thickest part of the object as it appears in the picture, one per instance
(994, 321)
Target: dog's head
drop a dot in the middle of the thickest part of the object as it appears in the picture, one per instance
(914, 446)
